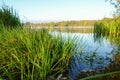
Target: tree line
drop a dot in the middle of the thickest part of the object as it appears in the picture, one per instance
(66, 23)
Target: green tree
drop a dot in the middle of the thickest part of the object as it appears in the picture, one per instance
(51, 24)
(116, 4)
(63, 23)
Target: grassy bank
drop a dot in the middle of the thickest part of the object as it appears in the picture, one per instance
(32, 55)
(110, 29)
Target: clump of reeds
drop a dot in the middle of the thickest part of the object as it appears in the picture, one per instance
(9, 17)
(32, 55)
(109, 29)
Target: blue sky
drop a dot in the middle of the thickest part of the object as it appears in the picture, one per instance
(61, 9)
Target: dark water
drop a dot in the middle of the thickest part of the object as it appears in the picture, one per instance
(92, 54)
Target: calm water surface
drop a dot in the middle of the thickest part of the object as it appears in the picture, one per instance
(91, 53)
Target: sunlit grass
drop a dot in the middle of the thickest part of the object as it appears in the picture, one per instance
(33, 55)
(110, 30)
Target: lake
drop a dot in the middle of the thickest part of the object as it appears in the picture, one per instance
(93, 53)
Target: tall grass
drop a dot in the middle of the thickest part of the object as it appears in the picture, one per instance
(9, 17)
(32, 55)
(109, 29)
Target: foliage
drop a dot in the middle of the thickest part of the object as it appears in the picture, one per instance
(9, 17)
(108, 28)
(68, 23)
(116, 4)
(51, 24)
(33, 55)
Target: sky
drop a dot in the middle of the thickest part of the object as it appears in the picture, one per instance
(34, 10)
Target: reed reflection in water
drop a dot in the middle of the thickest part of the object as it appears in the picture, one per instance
(94, 54)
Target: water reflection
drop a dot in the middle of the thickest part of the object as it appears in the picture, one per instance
(93, 55)
(111, 35)
(75, 29)
(80, 29)
(112, 67)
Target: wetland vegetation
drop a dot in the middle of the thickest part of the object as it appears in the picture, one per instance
(81, 53)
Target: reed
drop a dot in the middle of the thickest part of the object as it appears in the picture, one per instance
(33, 55)
(109, 29)
(9, 17)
